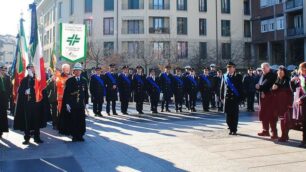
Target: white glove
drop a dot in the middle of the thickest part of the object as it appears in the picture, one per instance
(68, 108)
(28, 91)
(30, 73)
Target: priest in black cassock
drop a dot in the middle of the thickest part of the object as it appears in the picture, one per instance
(75, 100)
(29, 117)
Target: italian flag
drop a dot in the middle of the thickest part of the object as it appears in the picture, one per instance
(37, 56)
(53, 61)
(21, 60)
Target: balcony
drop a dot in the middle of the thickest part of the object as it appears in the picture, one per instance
(159, 6)
(164, 30)
(295, 32)
(292, 5)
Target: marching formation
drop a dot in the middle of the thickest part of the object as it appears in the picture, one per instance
(66, 97)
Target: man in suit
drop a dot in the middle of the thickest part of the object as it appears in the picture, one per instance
(111, 84)
(231, 95)
(165, 85)
(153, 90)
(138, 84)
(214, 87)
(97, 91)
(178, 89)
(249, 82)
(125, 88)
(205, 88)
(192, 89)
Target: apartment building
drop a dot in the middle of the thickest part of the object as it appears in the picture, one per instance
(161, 31)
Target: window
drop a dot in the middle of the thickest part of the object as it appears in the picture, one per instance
(108, 28)
(88, 6)
(246, 7)
(161, 50)
(267, 25)
(158, 4)
(202, 27)
(135, 27)
(203, 50)
(159, 25)
(267, 3)
(135, 48)
(88, 24)
(182, 50)
(280, 23)
(226, 51)
(133, 4)
(226, 6)
(225, 28)
(298, 21)
(108, 5)
(182, 26)
(71, 7)
(247, 50)
(60, 10)
(108, 48)
(202, 5)
(247, 28)
(182, 5)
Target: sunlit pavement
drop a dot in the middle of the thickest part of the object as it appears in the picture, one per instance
(163, 142)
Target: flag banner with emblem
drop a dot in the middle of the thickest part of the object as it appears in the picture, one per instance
(37, 56)
(21, 60)
(73, 42)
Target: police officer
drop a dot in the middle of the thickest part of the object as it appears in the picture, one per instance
(184, 76)
(97, 91)
(125, 88)
(138, 85)
(165, 85)
(153, 90)
(249, 82)
(214, 88)
(231, 94)
(111, 84)
(178, 89)
(75, 101)
(192, 89)
(205, 88)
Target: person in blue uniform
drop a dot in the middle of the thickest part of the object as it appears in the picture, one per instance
(138, 85)
(165, 82)
(249, 83)
(153, 90)
(231, 95)
(125, 88)
(178, 89)
(111, 83)
(97, 91)
(205, 88)
(192, 89)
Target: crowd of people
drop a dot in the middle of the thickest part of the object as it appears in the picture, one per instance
(281, 95)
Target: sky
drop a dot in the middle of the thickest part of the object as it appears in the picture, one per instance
(10, 11)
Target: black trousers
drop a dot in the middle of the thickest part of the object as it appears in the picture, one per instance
(178, 102)
(124, 105)
(165, 103)
(139, 106)
(232, 116)
(97, 107)
(187, 102)
(192, 101)
(113, 106)
(28, 134)
(250, 100)
(205, 100)
(212, 99)
(154, 103)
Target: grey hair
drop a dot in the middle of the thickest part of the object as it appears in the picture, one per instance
(65, 65)
(265, 64)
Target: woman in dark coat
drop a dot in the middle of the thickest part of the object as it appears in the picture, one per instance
(282, 100)
(298, 86)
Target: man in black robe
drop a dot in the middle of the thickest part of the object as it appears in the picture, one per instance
(28, 117)
(231, 94)
(5, 91)
(75, 101)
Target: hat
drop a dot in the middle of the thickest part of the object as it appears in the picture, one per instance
(112, 65)
(187, 67)
(168, 67)
(259, 69)
(230, 64)
(250, 68)
(192, 69)
(139, 67)
(281, 67)
(125, 67)
(206, 68)
(212, 65)
(30, 65)
(98, 68)
(178, 68)
(77, 66)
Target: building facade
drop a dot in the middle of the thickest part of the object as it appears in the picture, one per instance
(7, 49)
(278, 31)
(156, 32)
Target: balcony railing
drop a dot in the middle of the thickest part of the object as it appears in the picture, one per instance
(291, 4)
(295, 31)
(160, 6)
(159, 30)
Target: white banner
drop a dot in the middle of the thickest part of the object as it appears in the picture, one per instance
(72, 42)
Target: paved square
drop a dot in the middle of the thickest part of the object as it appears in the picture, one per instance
(164, 142)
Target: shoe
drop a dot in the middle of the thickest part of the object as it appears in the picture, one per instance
(140, 112)
(234, 133)
(167, 110)
(230, 133)
(206, 110)
(108, 113)
(154, 112)
(283, 139)
(81, 139)
(26, 142)
(264, 133)
(274, 136)
(302, 145)
(74, 139)
(162, 110)
(38, 141)
(115, 113)
(181, 110)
